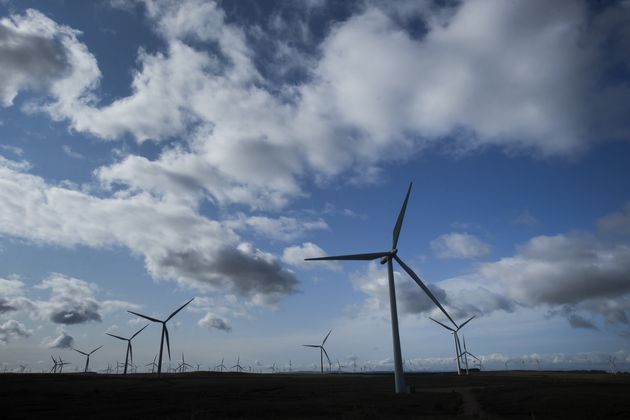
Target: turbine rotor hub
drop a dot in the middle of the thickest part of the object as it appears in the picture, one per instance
(390, 256)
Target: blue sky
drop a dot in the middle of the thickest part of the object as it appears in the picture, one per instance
(153, 151)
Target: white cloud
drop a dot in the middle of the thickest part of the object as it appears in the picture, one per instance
(13, 329)
(459, 245)
(281, 228)
(211, 320)
(71, 300)
(295, 255)
(71, 153)
(62, 341)
(195, 251)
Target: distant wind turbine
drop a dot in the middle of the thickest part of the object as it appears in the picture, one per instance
(466, 353)
(61, 364)
(322, 352)
(454, 331)
(56, 364)
(164, 332)
(129, 354)
(238, 366)
(183, 365)
(221, 366)
(152, 364)
(386, 258)
(87, 360)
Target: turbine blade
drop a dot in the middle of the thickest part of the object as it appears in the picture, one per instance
(79, 351)
(97, 348)
(324, 342)
(469, 319)
(311, 345)
(130, 351)
(144, 316)
(401, 216)
(423, 287)
(326, 354)
(117, 336)
(138, 332)
(352, 257)
(179, 309)
(168, 344)
(472, 355)
(445, 326)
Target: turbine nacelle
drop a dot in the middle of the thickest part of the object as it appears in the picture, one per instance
(391, 255)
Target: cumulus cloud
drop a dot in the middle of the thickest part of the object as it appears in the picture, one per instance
(575, 275)
(193, 250)
(210, 320)
(13, 329)
(473, 76)
(459, 245)
(295, 255)
(62, 341)
(71, 300)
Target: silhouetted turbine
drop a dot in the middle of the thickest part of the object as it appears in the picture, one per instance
(87, 360)
(458, 348)
(386, 258)
(129, 354)
(322, 351)
(164, 332)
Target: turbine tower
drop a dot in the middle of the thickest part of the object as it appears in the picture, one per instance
(387, 257)
(129, 354)
(164, 332)
(322, 351)
(87, 360)
(458, 349)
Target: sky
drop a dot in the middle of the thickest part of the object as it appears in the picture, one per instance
(152, 151)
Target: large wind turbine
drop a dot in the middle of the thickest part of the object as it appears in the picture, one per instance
(87, 360)
(164, 332)
(129, 354)
(386, 258)
(322, 351)
(458, 349)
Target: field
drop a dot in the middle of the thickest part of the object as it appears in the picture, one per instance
(210, 395)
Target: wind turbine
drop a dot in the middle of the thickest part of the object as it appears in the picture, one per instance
(164, 331)
(56, 364)
(152, 364)
(238, 366)
(466, 353)
(87, 360)
(322, 351)
(458, 350)
(61, 364)
(339, 366)
(387, 257)
(129, 354)
(183, 365)
(221, 366)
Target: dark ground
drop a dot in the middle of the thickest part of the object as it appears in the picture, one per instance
(209, 395)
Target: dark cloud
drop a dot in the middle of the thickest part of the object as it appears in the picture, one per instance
(27, 60)
(75, 313)
(577, 321)
(6, 306)
(245, 270)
